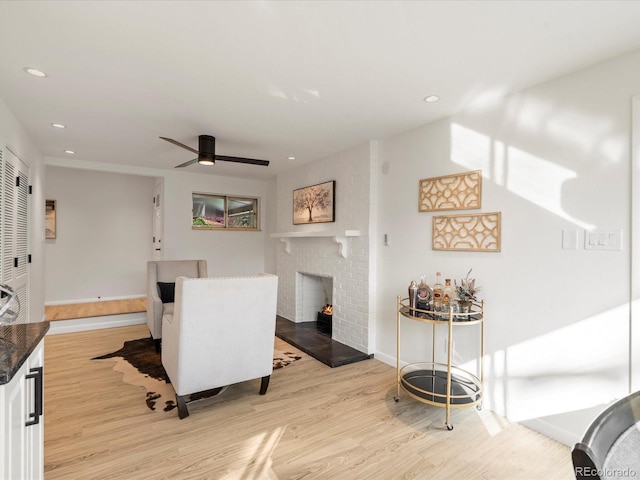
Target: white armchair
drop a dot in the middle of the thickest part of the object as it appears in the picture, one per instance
(221, 332)
(161, 275)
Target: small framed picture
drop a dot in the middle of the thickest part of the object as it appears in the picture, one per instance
(50, 219)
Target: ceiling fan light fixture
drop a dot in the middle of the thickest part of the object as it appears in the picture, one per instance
(205, 160)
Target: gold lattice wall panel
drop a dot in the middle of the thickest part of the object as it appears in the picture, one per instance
(473, 233)
(451, 192)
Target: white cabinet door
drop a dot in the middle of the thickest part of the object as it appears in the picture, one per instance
(34, 441)
(13, 427)
(22, 445)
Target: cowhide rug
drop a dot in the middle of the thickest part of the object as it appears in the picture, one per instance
(142, 366)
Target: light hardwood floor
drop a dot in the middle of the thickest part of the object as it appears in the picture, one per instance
(315, 422)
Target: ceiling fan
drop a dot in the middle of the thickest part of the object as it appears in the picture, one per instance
(207, 153)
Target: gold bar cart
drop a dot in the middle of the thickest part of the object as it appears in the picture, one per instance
(441, 384)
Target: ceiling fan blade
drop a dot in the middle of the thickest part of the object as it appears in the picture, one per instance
(251, 161)
(170, 140)
(186, 164)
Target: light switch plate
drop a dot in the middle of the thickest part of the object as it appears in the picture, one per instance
(603, 239)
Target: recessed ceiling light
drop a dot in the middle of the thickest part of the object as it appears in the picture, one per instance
(35, 72)
(291, 157)
(431, 98)
(58, 125)
(70, 152)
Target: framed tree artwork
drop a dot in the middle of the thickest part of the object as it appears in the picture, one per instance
(314, 204)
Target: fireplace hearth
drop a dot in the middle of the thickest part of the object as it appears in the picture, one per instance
(306, 337)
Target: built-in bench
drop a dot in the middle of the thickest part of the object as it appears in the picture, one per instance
(78, 317)
(95, 309)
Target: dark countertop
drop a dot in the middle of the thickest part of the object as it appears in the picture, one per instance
(17, 342)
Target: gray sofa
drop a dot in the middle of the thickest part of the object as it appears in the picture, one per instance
(609, 448)
(161, 278)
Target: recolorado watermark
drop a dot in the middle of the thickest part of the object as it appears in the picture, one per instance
(605, 472)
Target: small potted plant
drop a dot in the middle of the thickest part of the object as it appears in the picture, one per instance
(466, 292)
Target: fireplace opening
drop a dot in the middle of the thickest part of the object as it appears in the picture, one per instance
(315, 301)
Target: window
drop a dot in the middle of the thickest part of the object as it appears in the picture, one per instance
(212, 212)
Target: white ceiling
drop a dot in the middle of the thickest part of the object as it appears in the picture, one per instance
(270, 79)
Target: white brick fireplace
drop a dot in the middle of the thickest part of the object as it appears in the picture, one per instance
(321, 257)
(339, 250)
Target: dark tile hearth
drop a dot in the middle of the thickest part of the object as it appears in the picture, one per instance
(306, 337)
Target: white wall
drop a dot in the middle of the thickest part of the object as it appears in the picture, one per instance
(227, 253)
(635, 247)
(15, 138)
(553, 157)
(270, 213)
(103, 240)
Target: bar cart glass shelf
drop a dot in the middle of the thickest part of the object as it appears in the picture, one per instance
(442, 384)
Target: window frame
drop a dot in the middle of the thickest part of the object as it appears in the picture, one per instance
(209, 201)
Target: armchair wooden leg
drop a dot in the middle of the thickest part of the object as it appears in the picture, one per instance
(183, 412)
(158, 344)
(264, 384)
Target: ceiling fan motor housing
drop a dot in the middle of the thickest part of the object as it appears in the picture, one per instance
(207, 145)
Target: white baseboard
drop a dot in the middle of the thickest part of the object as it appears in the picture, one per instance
(550, 430)
(91, 300)
(385, 358)
(96, 323)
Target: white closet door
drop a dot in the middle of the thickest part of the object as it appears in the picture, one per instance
(14, 228)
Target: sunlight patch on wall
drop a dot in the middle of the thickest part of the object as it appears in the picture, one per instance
(471, 149)
(530, 177)
(571, 125)
(539, 181)
(529, 113)
(568, 369)
(567, 126)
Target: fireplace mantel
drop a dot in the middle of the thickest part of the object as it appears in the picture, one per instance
(338, 237)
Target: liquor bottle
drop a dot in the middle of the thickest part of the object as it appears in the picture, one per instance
(438, 292)
(423, 296)
(449, 293)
